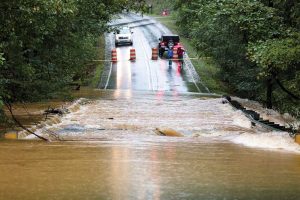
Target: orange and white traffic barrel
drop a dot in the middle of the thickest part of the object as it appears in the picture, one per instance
(132, 55)
(154, 53)
(114, 55)
(175, 55)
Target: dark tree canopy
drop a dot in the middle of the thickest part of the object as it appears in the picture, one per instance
(255, 43)
(44, 44)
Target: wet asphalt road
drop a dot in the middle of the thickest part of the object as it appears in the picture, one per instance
(144, 73)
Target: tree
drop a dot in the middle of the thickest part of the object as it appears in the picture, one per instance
(243, 37)
(279, 60)
(44, 44)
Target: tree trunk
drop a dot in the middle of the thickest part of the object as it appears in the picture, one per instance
(271, 4)
(269, 93)
(285, 90)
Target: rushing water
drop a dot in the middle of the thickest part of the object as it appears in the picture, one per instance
(111, 151)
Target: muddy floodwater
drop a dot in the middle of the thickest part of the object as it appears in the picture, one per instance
(145, 169)
(109, 150)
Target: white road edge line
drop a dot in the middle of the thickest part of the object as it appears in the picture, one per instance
(109, 74)
(107, 81)
(148, 67)
(193, 77)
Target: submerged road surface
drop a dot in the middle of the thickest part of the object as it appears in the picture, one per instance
(109, 146)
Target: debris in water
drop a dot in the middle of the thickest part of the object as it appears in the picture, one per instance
(225, 99)
(56, 111)
(168, 132)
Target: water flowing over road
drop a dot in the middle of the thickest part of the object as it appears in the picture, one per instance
(111, 146)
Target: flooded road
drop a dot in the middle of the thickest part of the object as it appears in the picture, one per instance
(109, 146)
(110, 150)
(157, 168)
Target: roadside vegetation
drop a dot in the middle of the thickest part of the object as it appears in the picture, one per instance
(46, 46)
(254, 46)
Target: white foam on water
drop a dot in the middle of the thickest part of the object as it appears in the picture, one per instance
(241, 120)
(268, 140)
(196, 118)
(216, 134)
(31, 136)
(272, 140)
(279, 141)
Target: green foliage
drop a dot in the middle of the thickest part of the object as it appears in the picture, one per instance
(2, 59)
(2, 115)
(46, 44)
(280, 55)
(251, 41)
(279, 59)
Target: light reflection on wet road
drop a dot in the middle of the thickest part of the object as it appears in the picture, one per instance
(144, 73)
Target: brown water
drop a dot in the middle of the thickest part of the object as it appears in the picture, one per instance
(29, 113)
(144, 169)
(111, 151)
(32, 113)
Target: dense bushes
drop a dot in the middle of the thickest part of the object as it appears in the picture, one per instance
(45, 44)
(255, 43)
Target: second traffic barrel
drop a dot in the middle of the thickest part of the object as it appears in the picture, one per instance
(154, 53)
(132, 55)
(114, 55)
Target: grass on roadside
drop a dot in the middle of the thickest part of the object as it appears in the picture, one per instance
(94, 78)
(205, 67)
